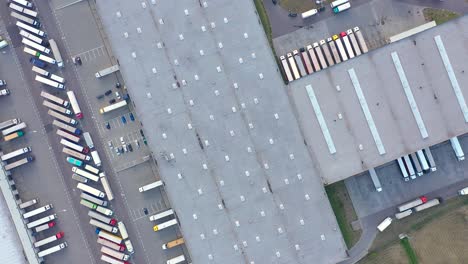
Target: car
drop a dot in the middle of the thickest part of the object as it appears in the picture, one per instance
(121, 150)
(125, 149)
(117, 85)
(117, 94)
(109, 143)
(117, 151)
(130, 148)
(131, 117)
(108, 125)
(141, 133)
(2, 82)
(99, 97)
(122, 140)
(144, 141)
(137, 143)
(108, 92)
(343, 34)
(77, 60)
(124, 120)
(111, 101)
(145, 211)
(37, 62)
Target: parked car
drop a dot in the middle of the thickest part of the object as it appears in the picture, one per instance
(108, 125)
(108, 92)
(117, 151)
(111, 101)
(122, 141)
(130, 148)
(117, 85)
(2, 82)
(141, 133)
(132, 117)
(125, 148)
(137, 143)
(109, 143)
(124, 120)
(117, 94)
(99, 97)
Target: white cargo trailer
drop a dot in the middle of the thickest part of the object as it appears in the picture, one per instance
(37, 211)
(41, 221)
(103, 226)
(430, 159)
(115, 254)
(76, 154)
(54, 98)
(96, 158)
(457, 148)
(49, 82)
(26, 19)
(85, 174)
(32, 37)
(384, 224)
(150, 186)
(56, 52)
(28, 203)
(15, 153)
(31, 29)
(52, 250)
(90, 190)
(93, 199)
(62, 117)
(34, 45)
(107, 71)
(14, 128)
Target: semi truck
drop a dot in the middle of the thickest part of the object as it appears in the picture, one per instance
(326, 52)
(114, 253)
(354, 43)
(18, 163)
(88, 189)
(23, 10)
(173, 243)
(66, 127)
(123, 230)
(96, 158)
(76, 154)
(341, 8)
(113, 107)
(375, 180)
(103, 226)
(176, 260)
(9, 123)
(48, 240)
(341, 49)
(88, 140)
(104, 210)
(53, 249)
(23, 3)
(26, 19)
(457, 148)
(360, 39)
(109, 236)
(430, 159)
(110, 260)
(286, 69)
(68, 136)
(56, 52)
(107, 71)
(28, 203)
(150, 186)
(41, 221)
(412, 204)
(57, 78)
(40, 71)
(129, 246)
(31, 29)
(106, 186)
(161, 215)
(402, 167)
(49, 82)
(85, 174)
(61, 117)
(293, 65)
(417, 165)
(15, 153)
(4, 92)
(34, 45)
(32, 37)
(88, 204)
(79, 178)
(167, 224)
(55, 107)
(37, 211)
(74, 146)
(313, 58)
(91, 169)
(14, 135)
(94, 200)
(109, 244)
(102, 218)
(44, 227)
(422, 159)
(403, 214)
(299, 63)
(410, 167)
(384, 224)
(55, 99)
(320, 57)
(427, 205)
(74, 104)
(306, 60)
(14, 128)
(74, 162)
(347, 45)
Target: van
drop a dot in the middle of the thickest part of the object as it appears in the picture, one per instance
(3, 44)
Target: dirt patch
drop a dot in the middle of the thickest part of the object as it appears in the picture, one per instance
(439, 15)
(393, 254)
(297, 6)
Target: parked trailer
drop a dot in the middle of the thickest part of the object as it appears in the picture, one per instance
(327, 53)
(91, 169)
(107, 71)
(76, 154)
(102, 218)
(300, 65)
(113, 107)
(85, 174)
(48, 240)
(337, 3)
(375, 180)
(427, 205)
(57, 108)
(341, 8)
(66, 127)
(88, 204)
(18, 163)
(129, 246)
(23, 3)
(68, 136)
(360, 39)
(57, 78)
(74, 162)
(14, 135)
(13, 129)
(109, 244)
(430, 159)
(306, 59)
(457, 148)
(56, 52)
(88, 140)
(37, 211)
(105, 211)
(79, 178)
(96, 158)
(114, 253)
(40, 71)
(320, 57)
(347, 44)
(410, 167)
(74, 146)
(49, 82)
(384, 224)
(9, 123)
(62, 117)
(403, 214)
(44, 227)
(3, 43)
(286, 69)
(173, 243)
(110, 237)
(32, 37)
(52, 250)
(41, 221)
(422, 159)
(74, 104)
(110, 260)
(106, 186)
(309, 13)
(88, 189)
(54, 98)
(23, 10)
(31, 29)
(176, 260)
(103, 226)
(34, 45)
(28, 203)
(150, 186)
(15, 153)
(416, 164)
(161, 215)
(93, 200)
(341, 49)
(403, 169)
(293, 65)
(122, 230)
(169, 223)
(413, 203)
(26, 19)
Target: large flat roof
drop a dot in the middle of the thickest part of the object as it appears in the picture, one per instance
(389, 102)
(219, 121)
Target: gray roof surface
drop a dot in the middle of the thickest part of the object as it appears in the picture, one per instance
(388, 104)
(242, 181)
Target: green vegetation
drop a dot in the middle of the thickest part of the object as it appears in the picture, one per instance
(344, 211)
(439, 15)
(297, 6)
(264, 19)
(413, 259)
